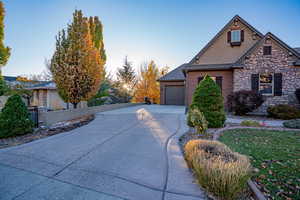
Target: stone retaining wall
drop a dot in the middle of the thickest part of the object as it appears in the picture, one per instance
(49, 118)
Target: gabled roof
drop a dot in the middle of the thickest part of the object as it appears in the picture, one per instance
(210, 67)
(174, 75)
(222, 31)
(261, 41)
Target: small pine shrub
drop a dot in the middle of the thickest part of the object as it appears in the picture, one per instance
(198, 120)
(219, 170)
(244, 101)
(294, 123)
(283, 111)
(250, 123)
(14, 118)
(208, 98)
(297, 93)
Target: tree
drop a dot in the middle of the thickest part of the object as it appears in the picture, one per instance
(126, 74)
(4, 51)
(76, 65)
(208, 98)
(147, 85)
(96, 30)
(3, 86)
(14, 119)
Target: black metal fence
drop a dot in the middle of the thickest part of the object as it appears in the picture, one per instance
(34, 115)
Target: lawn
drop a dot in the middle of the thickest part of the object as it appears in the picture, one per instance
(277, 156)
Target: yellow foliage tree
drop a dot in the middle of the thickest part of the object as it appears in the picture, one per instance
(147, 85)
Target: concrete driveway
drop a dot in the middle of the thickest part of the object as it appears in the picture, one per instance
(130, 153)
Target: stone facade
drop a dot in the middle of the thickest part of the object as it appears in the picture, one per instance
(280, 61)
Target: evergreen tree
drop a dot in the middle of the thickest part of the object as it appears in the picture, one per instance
(147, 85)
(126, 74)
(208, 98)
(3, 86)
(76, 65)
(14, 118)
(4, 51)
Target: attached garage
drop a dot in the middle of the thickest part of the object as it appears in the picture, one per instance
(174, 95)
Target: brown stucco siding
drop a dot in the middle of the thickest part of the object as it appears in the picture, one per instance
(163, 85)
(279, 62)
(221, 51)
(192, 82)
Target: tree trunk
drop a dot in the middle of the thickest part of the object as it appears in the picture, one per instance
(75, 105)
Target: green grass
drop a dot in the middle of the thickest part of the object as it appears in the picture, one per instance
(277, 156)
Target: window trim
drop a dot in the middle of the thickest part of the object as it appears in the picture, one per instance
(266, 94)
(240, 36)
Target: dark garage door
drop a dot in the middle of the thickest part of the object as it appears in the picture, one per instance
(174, 95)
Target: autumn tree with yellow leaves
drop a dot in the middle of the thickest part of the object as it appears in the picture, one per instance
(147, 85)
(78, 62)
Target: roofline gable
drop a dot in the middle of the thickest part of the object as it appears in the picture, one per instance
(222, 31)
(258, 43)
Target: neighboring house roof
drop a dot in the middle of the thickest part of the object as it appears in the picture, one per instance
(47, 85)
(297, 49)
(10, 78)
(258, 43)
(174, 75)
(222, 31)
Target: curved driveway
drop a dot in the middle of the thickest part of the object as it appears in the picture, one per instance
(130, 153)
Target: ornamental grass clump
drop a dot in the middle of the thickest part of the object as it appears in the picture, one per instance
(219, 170)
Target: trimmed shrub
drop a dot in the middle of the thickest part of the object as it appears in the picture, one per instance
(244, 101)
(14, 119)
(294, 123)
(297, 93)
(208, 98)
(219, 170)
(250, 123)
(283, 111)
(198, 120)
(189, 123)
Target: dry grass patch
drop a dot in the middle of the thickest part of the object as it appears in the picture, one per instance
(219, 170)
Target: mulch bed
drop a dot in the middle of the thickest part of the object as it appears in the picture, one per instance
(46, 131)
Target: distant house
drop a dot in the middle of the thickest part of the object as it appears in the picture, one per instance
(45, 95)
(239, 57)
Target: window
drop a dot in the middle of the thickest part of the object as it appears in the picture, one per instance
(267, 50)
(266, 83)
(236, 36)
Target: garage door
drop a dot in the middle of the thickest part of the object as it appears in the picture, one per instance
(174, 95)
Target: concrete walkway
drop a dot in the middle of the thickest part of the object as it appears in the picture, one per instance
(130, 153)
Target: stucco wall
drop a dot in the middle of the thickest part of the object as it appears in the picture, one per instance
(221, 51)
(163, 89)
(49, 118)
(279, 62)
(192, 82)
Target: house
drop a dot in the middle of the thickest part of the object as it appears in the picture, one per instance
(45, 95)
(239, 57)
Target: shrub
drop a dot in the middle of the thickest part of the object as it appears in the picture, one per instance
(198, 120)
(3, 86)
(297, 93)
(244, 101)
(189, 123)
(250, 123)
(219, 170)
(283, 111)
(208, 98)
(14, 119)
(294, 123)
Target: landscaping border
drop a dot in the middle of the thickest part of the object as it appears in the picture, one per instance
(258, 194)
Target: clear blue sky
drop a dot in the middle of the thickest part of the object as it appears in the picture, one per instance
(169, 32)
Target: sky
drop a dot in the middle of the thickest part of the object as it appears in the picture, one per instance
(170, 32)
